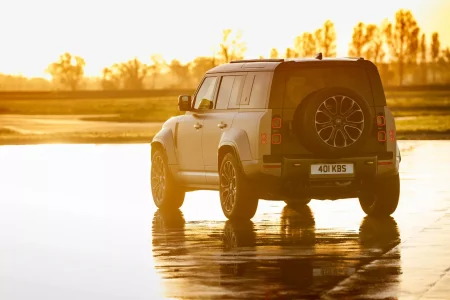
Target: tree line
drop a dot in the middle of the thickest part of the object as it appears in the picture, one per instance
(402, 52)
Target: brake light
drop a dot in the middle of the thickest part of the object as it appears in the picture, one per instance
(276, 130)
(381, 121)
(276, 123)
(276, 139)
(381, 136)
(381, 124)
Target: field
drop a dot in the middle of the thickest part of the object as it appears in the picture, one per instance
(419, 115)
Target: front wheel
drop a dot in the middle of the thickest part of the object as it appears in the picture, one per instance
(167, 194)
(236, 196)
(380, 199)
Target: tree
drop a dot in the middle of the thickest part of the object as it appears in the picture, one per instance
(423, 58)
(181, 73)
(110, 79)
(359, 40)
(326, 39)
(305, 45)
(68, 70)
(156, 67)
(446, 55)
(423, 48)
(231, 47)
(290, 53)
(200, 66)
(274, 53)
(375, 42)
(445, 58)
(402, 38)
(435, 51)
(132, 73)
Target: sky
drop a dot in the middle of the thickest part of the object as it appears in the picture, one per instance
(35, 32)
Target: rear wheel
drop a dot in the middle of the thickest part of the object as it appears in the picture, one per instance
(167, 194)
(236, 196)
(381, 198)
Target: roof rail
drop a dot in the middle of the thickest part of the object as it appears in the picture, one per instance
(257, 60)
(354, 57)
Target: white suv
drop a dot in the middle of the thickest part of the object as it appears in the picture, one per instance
(278, 129)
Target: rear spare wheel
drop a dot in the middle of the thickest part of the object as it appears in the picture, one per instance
(334, 121)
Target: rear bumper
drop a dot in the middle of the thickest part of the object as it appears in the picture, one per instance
(292, 177)
(362, 166)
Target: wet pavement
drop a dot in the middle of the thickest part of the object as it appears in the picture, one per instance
(78, 222)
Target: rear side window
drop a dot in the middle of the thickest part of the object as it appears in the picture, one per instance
(223, 97)
(260, 88)
(229, 91)
(256, 89)
(302, 82)
(237, 88)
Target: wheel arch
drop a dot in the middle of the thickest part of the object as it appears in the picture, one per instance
(235, 141)
(164, 140)
(224, 150)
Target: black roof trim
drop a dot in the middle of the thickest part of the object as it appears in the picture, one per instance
(257, 60)
(355, 57)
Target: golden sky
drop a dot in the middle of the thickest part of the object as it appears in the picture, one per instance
(35, 32)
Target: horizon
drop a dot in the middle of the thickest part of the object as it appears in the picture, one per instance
(102, 41)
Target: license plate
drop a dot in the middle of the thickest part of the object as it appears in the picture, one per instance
(321, 169)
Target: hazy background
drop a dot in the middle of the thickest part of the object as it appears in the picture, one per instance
(100, 67)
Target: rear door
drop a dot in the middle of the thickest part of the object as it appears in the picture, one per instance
(311, 77)
(218, 120)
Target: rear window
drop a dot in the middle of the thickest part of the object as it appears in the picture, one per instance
(303, 81)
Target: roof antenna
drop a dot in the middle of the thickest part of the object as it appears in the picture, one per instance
(318, 56)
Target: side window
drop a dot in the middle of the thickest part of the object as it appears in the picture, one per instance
(204, 98)
(225, 90)
(236, 91)
(245, 99)
(260, 87)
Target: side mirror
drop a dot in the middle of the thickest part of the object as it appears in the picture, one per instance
(184, 103)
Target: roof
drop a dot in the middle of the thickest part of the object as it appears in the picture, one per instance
(271, 64)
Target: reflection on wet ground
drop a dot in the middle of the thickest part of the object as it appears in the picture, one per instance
(248, 260)
(78, 222)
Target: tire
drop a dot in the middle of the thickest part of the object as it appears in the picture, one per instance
(381, 199)
(297, 202)
(333, 110)
(167, 194)
(236, 197)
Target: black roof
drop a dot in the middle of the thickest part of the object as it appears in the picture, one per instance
(270, 64)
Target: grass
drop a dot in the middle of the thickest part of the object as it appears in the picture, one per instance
(423, 123)
(431, 109)
(154, 109)
(16, 138)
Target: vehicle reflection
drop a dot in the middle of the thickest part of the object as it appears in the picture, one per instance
(168, 232)
(288, 258)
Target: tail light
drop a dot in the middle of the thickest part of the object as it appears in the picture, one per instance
(276, 123)
(276, 130)
(381, 121)
(381, 127)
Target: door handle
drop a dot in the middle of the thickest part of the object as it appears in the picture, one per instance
(221, 125)
(198, 126)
